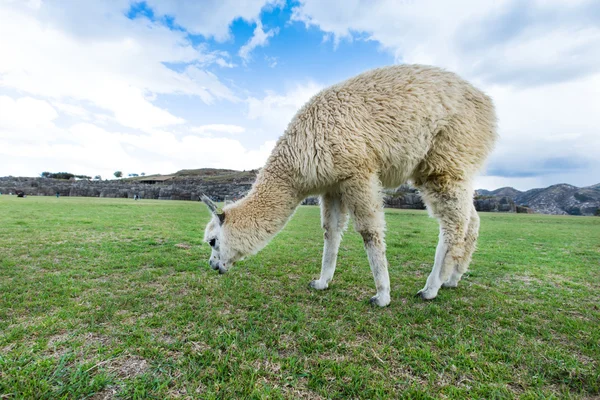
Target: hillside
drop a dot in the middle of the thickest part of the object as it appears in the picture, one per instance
(182, 185)
(560, 199)
(189, 184)
(203, 174)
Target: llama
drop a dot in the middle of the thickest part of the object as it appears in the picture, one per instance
(379, 129)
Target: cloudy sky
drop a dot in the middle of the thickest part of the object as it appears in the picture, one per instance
(92, 87)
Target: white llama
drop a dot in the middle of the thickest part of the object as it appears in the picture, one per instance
(381, 128)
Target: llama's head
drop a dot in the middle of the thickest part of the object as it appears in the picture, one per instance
(223, 252)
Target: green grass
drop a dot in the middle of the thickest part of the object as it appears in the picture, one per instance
(103, 298)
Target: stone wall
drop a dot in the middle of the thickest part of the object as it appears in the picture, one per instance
(404, 197)
(188, 189)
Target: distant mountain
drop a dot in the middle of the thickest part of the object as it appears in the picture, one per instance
(213, 175)
(561, 199)
(502, 192)
(507, 192)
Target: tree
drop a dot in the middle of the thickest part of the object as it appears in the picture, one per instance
(46, 174)
(118, 174)
(62, 175)
(143, 174)
(98, 178)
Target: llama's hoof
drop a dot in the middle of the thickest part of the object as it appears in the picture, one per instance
(318, 285)
(426, 294)
(380, 300)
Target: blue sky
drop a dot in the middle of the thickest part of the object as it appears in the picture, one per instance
(162, 85)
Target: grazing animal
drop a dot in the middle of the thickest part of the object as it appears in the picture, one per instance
(379, 129)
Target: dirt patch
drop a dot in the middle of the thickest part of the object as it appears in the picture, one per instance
(199, 347)
(166, 339)
(128, 367)
(58, 345)
(64, 343)
(268, 366)
(526, 279)
(287, 345)
(183, 246)
(27, 321)
(107, 393)
(300, 390)
(7, 348)
(178, 394)
(125, 367)
(332, 356)
(56, 340)
(91, 339)
(563, 281)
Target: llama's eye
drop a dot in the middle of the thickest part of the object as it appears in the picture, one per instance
(212, 242)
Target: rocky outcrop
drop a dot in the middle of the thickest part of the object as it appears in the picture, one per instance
(310, 201)
(494, 204)
(188, 189)
(405, 197)
(231, 185)
(562, 199)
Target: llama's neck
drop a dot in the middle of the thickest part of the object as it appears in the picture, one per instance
(263, 212)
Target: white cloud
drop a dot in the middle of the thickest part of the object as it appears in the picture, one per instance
(71, 109)
(225, 64)
(275, 111)
(539, 60)
(259, 38)
(490, 41)
(31, 145)
(272, 61)
(25, 113)
(84, 65)
(400, 26)
(120, 69)
(85, 84)
(549, 132)
(211, 18)
(218, 128)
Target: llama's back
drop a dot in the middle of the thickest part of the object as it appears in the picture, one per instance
(401, 122)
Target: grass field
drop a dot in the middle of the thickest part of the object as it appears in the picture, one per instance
(111, 298)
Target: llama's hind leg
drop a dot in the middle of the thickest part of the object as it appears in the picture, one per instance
(366, 205)
(452, 207)
(334, 217)
(470, 244)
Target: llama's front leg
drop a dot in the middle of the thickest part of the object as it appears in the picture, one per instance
(375, 247)
(334, 217)
(434, 282)
(363, 197)
(470, 244)
(452, 207)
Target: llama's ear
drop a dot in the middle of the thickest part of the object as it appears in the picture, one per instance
(210, 204)
(214, 208)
